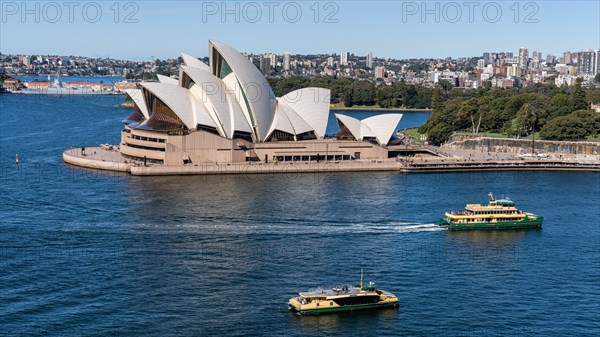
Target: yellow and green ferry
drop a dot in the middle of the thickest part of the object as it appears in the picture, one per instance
(499, 214)
(342, 298)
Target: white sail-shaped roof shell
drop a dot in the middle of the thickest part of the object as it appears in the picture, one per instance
(233, 89)
(209, 90)
(138, 99)
(287, 120)
(353, 125)
(300, 125)
(167, 79)
(222, 105)
(242, 101)
(366, 131)
(383, 126)
(240, 123)
(312, 105)
(257, 90)
(191, 61)
(281, 122)
(180, 100)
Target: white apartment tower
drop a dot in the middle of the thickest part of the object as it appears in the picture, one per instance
(344, 58)
(523, 57)
(286, 60)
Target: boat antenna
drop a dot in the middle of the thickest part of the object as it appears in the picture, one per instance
(491, 196)
(361, 278)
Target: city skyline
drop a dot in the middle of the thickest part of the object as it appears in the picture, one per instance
(338, 55)
(326, 29)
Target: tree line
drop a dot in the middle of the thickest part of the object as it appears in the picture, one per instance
(557, 113)
(351, 92)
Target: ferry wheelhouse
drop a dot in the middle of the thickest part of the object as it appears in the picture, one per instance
(499, 214)
(342, 298)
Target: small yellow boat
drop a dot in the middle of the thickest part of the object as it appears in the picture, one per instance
(342, 298)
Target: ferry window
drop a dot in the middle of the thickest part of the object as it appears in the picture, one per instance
(331, 303)
(317, 304)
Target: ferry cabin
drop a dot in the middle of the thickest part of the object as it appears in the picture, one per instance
(476, 213)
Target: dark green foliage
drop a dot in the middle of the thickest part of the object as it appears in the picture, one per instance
(575, 126)
(564, 128)
(515, 111)
(579, 97)
(438, 134)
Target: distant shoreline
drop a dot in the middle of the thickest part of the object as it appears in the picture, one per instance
(379, 109)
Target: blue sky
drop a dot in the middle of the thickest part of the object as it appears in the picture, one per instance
(143, 30)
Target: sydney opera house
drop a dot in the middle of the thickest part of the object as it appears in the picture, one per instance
(226, 112)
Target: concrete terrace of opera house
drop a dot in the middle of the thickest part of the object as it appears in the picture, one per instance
(108, 158)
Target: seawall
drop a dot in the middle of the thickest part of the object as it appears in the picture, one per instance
(510, 145)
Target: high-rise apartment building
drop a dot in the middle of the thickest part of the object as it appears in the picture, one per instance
(286, 61)
(344, 58)
(523, 57)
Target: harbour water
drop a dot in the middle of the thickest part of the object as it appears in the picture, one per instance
(85, 252)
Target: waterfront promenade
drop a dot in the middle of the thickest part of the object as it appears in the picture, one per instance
(108, 158)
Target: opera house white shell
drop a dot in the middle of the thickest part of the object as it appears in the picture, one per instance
(226, 111)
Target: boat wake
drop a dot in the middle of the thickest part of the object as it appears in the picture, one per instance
(300, 228)
(395, 227)
(350, 228)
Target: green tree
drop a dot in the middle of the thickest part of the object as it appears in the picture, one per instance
(568, 127)
(579, 97)
(363, 93)
(437, 99)
(561, 105)
(386, 96)
(591, 120)
(493, 113)
(527, 118)
(469, 110)
(439, 134)
(347, 98)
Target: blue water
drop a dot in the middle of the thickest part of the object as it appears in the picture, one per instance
(88, 253)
